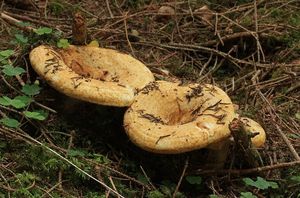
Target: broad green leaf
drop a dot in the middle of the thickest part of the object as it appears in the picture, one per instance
(9, 70)
(213, 196)
(6, 53)
(35, 115)
(247, 195)
(63, 43)
(194, 179)
(260, 183)
(43, 30)
(5, 101)
(9, 122)
(31, 90)
(18, 104)
(21, 38)
(25, 99)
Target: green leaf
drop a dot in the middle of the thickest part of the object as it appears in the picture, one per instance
(213, 196)
(101, 158)
(24, 24)
(295, 178)
(31, 90)
(25, 99)
(63, 43)
(35, 115)
(21, 38)
(43, 30)
(194, 179)
(9, 70)
(247, 195)
(18, 104)
(6, 53)
(9, 122)
(260, 183)
(5, 101)
(75, 153)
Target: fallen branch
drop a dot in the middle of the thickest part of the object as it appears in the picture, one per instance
(27, 18)
(16, 22)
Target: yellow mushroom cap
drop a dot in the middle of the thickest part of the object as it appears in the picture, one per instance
(253, 127)
(168, 118)
(97, 75)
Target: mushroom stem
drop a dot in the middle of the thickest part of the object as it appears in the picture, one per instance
(217, 154)
(243, 144)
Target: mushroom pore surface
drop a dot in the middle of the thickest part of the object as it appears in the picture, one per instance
(168, 118)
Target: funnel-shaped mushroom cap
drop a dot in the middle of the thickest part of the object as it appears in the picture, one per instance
(97, 75)
(168, 118)
(253, 127)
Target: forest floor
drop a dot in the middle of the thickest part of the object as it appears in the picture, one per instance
(55, 146)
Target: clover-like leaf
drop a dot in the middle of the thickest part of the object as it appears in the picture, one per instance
(5, 101)
(6, 53)
(25, 99)
(31, 90)
(247, 195)
(63, 43)
(18, 104)
(43, 30)
(21, 38)
(9, 122)
(9, 70)
(260, 183)
(37, 115)
(194, 179)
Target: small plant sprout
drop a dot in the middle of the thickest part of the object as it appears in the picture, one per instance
(43, 30)
(63, 43)
(260, 183)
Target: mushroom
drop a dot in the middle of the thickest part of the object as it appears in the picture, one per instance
(249, 125)
(97, 75)
(169, 118)
(219, 151)
(256, 129)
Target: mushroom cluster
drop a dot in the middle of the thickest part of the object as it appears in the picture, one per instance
(163, 117)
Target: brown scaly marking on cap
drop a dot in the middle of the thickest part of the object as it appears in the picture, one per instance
(97, 75)
(175, 119)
